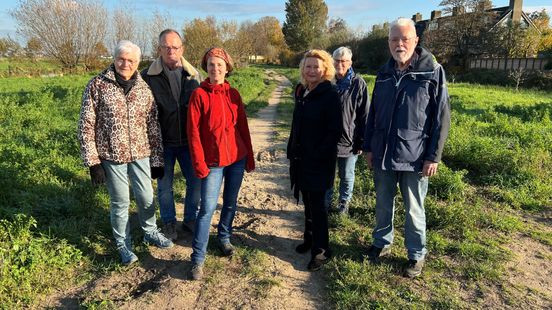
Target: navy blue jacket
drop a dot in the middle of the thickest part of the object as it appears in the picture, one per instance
(312, 145)
(409, 116)
(354, 109)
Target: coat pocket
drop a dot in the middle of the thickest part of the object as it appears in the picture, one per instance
(410, 145)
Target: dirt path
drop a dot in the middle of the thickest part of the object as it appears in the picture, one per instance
(268, 219)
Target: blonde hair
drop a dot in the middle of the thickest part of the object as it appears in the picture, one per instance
(327, 63)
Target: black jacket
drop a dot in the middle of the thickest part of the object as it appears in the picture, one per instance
(354, 109)
(312, 146)
(172, 114)
(409, 116)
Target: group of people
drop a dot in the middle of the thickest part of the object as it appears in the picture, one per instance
(134, 127)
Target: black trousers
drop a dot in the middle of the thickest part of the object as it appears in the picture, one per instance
(316, 221)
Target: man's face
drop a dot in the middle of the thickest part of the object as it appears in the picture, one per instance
(170, 48)
(342, 65)
(402, 42)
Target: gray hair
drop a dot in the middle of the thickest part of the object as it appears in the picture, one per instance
(126, 47)
(343, 52)
(167, 31)
(401, 22)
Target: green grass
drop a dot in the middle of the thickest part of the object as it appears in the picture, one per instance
(55, 230)
(496, 172)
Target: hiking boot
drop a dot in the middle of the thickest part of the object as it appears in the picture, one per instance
(127, 257)
(169, 230)
(374, 253)
(319, 260)
(158, 239)
(188, 226)
(226, 247)
(196, 272)
(343, 208)
(414, 268)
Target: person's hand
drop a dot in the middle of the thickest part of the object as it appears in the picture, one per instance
(157, 172)
(430, 168)
(368, 156)
(97, 174)
(357, 152)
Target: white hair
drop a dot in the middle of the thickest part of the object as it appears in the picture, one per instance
(126, 47)
(401, 22)
(343, 52)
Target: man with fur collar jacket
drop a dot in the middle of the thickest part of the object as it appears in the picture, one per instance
(172, 80)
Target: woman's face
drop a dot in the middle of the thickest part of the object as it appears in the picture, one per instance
(313, 70)
(216, 68)
(126, 64)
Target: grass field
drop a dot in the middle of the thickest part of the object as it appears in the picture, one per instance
(495, 179)
(494, 184)
(54, 230)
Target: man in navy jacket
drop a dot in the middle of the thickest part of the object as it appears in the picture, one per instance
(408, 124)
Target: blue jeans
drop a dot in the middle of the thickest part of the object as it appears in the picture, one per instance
(165, 193)
(210, 190)
(117, 181)
(413, 189)
(346, 173)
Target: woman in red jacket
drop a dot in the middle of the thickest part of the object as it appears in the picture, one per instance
(220, 147)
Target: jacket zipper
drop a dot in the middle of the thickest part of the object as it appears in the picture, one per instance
(128, 128)
(397, 83)
(224, 131)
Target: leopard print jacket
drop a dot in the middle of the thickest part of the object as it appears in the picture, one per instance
(116, 127)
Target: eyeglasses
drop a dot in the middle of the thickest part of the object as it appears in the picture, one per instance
(121, 61)
(403, 39)
(169, 48)
(341, 61)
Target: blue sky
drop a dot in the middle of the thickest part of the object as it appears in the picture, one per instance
(359, 14)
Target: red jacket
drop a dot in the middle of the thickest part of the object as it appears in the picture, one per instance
(218, 133)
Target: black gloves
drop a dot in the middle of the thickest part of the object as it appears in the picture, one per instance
(97, 174)
(157, 172)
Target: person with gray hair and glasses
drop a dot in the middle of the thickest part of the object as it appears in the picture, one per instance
(120, 141)
(353, 98)
(407, 127)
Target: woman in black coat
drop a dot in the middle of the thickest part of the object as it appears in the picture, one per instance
(312, 149)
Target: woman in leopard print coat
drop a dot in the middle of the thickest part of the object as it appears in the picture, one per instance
(120, 140)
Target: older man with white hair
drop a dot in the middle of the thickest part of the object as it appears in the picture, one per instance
(408, 123)
(120, 140)
(353, 98)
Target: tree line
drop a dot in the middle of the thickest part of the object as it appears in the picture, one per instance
(80, 32)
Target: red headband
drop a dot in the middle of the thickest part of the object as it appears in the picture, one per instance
(220, 53)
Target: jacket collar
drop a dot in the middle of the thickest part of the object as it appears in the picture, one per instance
(213, 88)
(109, 74)
(425, 62)
(156, 68)
(320, 88)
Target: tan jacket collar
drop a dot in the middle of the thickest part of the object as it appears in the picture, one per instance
(156, 68)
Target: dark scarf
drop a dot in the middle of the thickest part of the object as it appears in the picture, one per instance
(126, 84)
(345, 82)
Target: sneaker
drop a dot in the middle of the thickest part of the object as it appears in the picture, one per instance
(319, 260)
(188, 226)
(226, 247)
(127, 257)
(158, 239)
(196, 273)
(414, 268)
(374, 253)
(343, 208)
(169, 230)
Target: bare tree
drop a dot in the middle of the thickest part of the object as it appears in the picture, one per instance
(68, 29)
(9, 47)
(124, 23)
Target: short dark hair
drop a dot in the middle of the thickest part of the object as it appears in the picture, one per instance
(168, 30)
